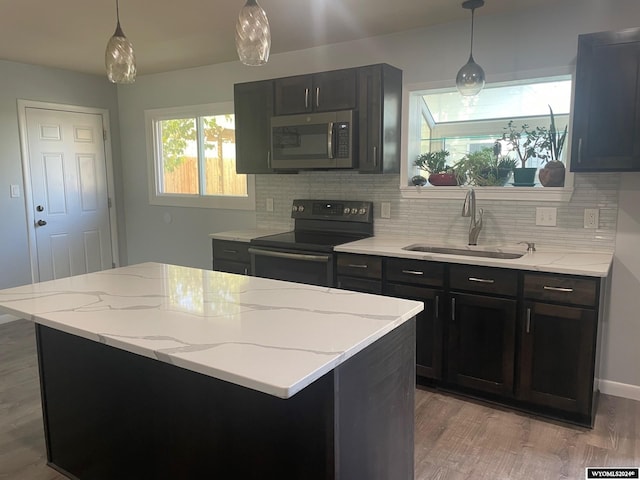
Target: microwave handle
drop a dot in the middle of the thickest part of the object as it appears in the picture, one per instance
(330, 140)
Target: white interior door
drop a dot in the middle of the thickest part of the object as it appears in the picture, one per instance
(69, 192)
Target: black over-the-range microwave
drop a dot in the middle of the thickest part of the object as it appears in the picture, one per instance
(314, 140)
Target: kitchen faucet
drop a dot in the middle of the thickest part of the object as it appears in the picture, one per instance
(469, 210)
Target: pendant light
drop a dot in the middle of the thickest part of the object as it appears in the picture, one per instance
(253, 37)
(470, 79)
(119, 58)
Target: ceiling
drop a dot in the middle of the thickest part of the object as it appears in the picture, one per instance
(171, 35)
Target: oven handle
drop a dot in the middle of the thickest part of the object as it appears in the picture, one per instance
(290, 256)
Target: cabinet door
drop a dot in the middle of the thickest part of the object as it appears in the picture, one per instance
(428, 327)
(293, 95)
(482, 343)
(253, 106)
(334, 90)
(606, 115)
(558, 356)
(379, 113)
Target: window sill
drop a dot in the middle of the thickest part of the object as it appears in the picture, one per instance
(538, 194)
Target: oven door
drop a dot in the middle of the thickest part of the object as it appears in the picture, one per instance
(314, 268)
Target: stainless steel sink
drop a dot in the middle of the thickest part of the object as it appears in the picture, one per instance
(462, 251)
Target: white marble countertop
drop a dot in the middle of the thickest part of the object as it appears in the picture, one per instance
(271, 336)
(542, 260)
(245, 235)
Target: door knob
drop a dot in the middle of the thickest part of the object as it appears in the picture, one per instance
(41, 223)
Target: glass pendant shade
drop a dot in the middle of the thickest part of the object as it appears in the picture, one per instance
(119, 58)
(471, 79)
(253, 37)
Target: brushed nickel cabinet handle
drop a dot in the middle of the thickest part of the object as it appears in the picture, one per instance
(268, 158)
(230, 251)
(580, 150)
(453, 309)
(528, 324)
(375, 156)
(317, 96)
(437, 312)
(412, 272)
(558, 289)
(481, 280)
(306, 98)
(356, 265)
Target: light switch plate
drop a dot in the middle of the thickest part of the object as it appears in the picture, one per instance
(269, 204)
(385, 210)
(15, 191)
(546, 216)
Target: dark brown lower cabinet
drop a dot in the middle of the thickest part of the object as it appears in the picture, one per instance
(482, 334)
(558, 346)
(428, 327)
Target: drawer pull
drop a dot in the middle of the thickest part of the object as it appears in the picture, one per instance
(481, 280)
(528, 320)
(412, 272)
(453, 309)
(558, 289)
(355, 265)
(230, 251)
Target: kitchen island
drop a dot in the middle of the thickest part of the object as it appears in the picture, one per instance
(158, 371)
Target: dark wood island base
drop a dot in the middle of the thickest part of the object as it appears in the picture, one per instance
(110, 414)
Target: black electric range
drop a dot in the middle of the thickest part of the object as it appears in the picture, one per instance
(305, 254)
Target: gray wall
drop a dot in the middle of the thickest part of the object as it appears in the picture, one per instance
(517, 45)
(28, 82)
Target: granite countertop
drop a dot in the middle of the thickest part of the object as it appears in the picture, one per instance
(245, 235)
(271, 336)
(542, 260)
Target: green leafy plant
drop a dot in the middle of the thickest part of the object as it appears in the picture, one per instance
(555, 140)
(485, 169)
(525, 142)
(434, 162)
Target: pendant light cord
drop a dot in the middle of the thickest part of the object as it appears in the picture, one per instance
(473, 11)
(118, 16)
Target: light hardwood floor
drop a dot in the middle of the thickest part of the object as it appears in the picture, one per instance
(455, 439)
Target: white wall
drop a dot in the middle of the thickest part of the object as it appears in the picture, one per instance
(28, 82)
(518, 45)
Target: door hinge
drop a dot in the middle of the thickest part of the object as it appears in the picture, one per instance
(113, 264)
(109, 202)
(104, 134)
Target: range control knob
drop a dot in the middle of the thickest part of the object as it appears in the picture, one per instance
(301, 208)
(294, 208)
(346, 210)
(362, 211)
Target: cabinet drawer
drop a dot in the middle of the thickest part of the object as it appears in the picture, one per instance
(228, 250)
(562, 289)
(359, 265)
(419, 272)
(357, 284)
(484, 280)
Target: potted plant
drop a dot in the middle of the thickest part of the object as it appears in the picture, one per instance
(435, 164)
(485, 168)
(525, 143)
(553, 172)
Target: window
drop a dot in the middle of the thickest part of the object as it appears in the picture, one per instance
(442, 119)
(192, 158)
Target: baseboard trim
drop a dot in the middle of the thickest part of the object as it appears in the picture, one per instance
(618, 389)
(6, 318)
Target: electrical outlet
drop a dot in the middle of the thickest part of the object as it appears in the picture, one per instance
(385, 210)
(269, 204)
(591, 217)
(546, 216)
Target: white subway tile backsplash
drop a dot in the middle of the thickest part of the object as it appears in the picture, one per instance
(440, 219)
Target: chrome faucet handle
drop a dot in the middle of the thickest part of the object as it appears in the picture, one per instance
(531, 246)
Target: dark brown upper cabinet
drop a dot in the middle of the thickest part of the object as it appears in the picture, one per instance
(317, 92)
(606, 112)
(253, 108)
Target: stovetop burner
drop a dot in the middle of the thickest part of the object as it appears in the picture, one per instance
(320, 225)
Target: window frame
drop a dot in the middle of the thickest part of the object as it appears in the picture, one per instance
(410, 112)
(152, 117)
